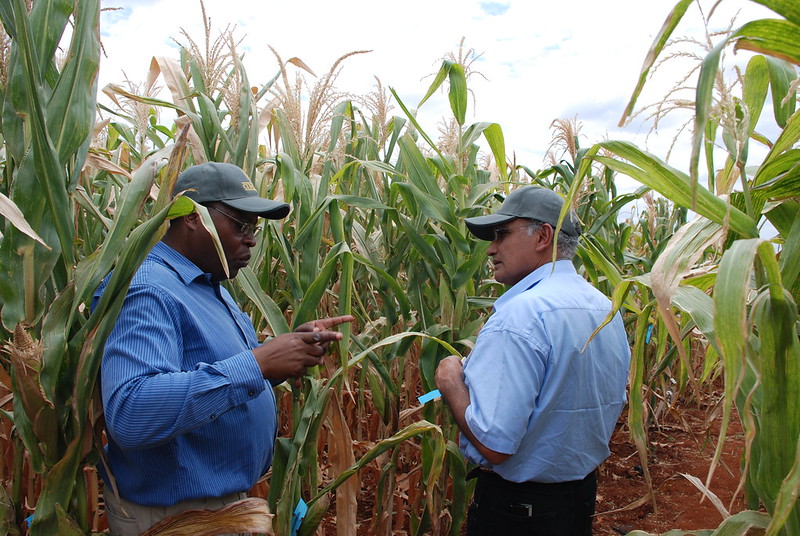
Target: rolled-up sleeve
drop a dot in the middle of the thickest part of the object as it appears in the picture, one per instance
(504, 381)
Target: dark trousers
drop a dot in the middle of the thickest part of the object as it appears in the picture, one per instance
(531, 508)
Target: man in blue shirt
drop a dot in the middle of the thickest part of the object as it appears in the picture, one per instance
(187, 388)
(536, 401)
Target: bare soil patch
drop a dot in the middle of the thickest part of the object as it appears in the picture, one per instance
(682, 443)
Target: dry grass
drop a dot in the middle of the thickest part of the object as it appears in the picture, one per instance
(310, 123)
(140, 112)
(449, 136)
(379, 105)
(217, 59)
(680, 97)
(565, 139)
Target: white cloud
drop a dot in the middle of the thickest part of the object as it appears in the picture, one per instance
(542, 60)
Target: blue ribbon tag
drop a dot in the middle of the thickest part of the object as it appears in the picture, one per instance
(298, 515)
(427, 397)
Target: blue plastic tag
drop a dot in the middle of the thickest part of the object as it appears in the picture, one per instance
(427, 397)
(298, 515)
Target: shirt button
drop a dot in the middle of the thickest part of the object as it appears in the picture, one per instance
(213, 416)
(251, 393)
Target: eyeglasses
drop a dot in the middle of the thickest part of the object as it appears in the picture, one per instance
(245, 228)
(501, 232)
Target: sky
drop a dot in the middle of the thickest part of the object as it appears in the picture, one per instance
(536, 61)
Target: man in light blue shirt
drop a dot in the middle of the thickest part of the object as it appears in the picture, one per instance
(187, 388)
(536, 401)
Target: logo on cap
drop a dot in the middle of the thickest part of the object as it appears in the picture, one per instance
(248, 186)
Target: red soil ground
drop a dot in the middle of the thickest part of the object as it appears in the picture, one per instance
(683, 443)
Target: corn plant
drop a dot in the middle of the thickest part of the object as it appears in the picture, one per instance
(57, 245)
(376, 231)
(379, 216)
(750, 317)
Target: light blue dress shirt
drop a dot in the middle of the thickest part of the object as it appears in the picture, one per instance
(534, 392)
(188, 413)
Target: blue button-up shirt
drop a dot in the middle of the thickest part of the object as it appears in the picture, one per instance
(534, 392)
(188, 413)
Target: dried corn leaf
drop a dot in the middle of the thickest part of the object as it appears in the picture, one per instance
(340, 451)
(26, 360)
(247, 515)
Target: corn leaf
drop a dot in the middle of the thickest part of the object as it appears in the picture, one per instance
(755, 87)
(247, 515)
(787, 496)
(71, 109)
(656, 47)
(269, 309)
(773, 37)
(307, 309)
(458, 91)
(412, 430)
(10, 211)
(677, 186)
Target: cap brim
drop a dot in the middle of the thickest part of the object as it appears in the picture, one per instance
(482, 226)
(266, 208)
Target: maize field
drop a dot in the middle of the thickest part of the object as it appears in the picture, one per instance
(377, 231)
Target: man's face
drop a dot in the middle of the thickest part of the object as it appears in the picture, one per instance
(235, 231)
(514, 251)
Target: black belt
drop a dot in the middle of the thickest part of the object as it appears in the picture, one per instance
(491, 476)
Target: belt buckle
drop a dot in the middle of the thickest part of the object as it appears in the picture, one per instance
(521, 509)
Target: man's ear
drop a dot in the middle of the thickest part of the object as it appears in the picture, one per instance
(192, 220)
(544, 237)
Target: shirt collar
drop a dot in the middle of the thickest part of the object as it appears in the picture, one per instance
(563, 266)
(186, 269)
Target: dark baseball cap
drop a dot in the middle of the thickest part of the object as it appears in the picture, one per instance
(530, 202)
(227, 183)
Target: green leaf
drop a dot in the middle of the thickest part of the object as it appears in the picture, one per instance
(784, 144)
(412, 430)
(411, 117)
(458, 91)
(659, 42)
(675, 185)
(730, 306)
(778, 38)
(703, 104)
(786, 8)
(308, 307)
(249, 283)
(493, 133)
(360, 202)
(781, 76)
(494, 137)
(71, 109)
(44, 158)
(391, 340)
(420, 174)
(444, 70)
(755, 87)
(790, 253)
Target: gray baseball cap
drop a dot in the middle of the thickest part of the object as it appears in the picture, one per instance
(227, 183)
(531, 202)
